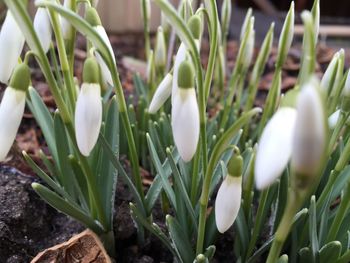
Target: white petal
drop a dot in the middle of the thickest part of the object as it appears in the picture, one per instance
(88, 117)
(106, 74)
(11, 45)
(333, 119)
(310, 134)
(11, 113)
(275, 147)
(228, 202)
(185, 122)
(162, 94)
(66, 27)
(327, 77)
(180, 57)
(42, 26)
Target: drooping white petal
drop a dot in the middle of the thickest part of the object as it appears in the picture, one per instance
(106, 74)
(180, 57)
(333, 119)
(185, 122)
(275, 147)
(66, 27)
(228, 202)
(310, 132)
(88, 117)
(11, 45)
(11, 113)
(43, 28)
(162, 94)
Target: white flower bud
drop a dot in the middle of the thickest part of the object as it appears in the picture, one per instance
(245, 23)
(160, 55)
(333, 119)
(11, 46)
(106, 74)
(88, 117)
(228, 202)
(330, 74)
(310, 132)
(275, 147)
(185, 113)
(346, 90)
(11, 113)
(162, 94)
(180, 57)
(66, 27)
(42, 26)
(286, 37)
(249, 48)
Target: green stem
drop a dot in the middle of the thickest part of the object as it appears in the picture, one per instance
(341, 213)
(195, 175)
(146, 29)
(293, 204)
(258, 222)
(68, 78)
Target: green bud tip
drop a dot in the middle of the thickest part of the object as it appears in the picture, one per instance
(91, 71)
(20, 79)
(235, 164)
(194, 24)
(185, 76)
(92, 17)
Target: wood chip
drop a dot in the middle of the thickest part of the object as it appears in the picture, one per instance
(82, 248)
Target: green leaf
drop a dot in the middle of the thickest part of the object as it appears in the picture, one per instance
(181, 243)
(283, 259)
(65, 207)
(181, 186)
(330, 252)
(63, 152)
(242, 231)
(107, 179)
(313, 229)
(114, 160)
(44, 119)
(153, 228)
(166, 184)
(305, 255)
(156, 187)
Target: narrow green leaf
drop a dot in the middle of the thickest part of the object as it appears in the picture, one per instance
(166, 184)
(330, 252)
(44, 119)
(313, 229)
(181, 243)
(181, 186)
(65, 207)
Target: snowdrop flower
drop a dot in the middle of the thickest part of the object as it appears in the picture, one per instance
(160, 54)
(11, 46)
(298, 134)
(162, 94)
(275, 147)
(228, 199)
(185, 113)
(249, 48)
(66, 27)
(93, 18)
(88, 112)
(12, 108)
(42, 26)
(330, 74)
(309, 139)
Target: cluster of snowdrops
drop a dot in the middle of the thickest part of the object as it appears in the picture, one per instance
(280, 174)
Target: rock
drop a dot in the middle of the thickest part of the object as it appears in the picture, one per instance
(82, 248)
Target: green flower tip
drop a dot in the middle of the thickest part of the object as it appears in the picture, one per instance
(92, 17)
(194, 24)
(235, 165)
(20, 79)
(185, 76)
(201, 259)
(91, 71)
